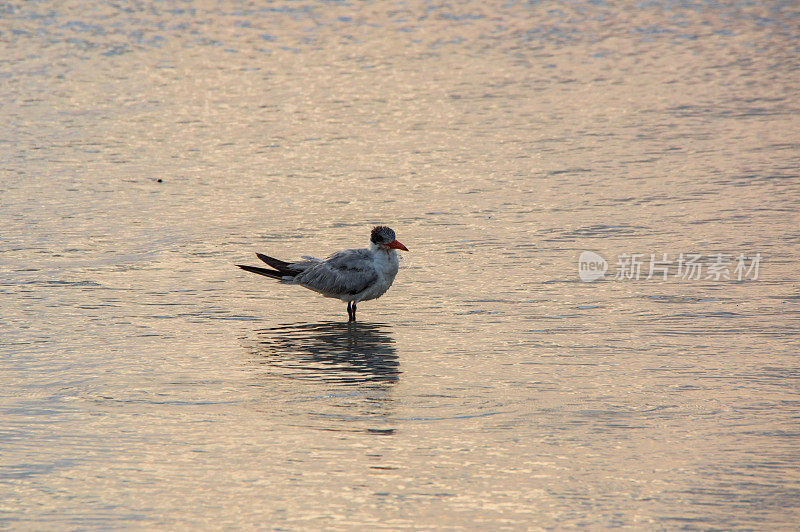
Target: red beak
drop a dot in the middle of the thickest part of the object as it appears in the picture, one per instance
(394, 244)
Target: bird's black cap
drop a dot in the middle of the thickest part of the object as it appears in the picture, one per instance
(382, 235)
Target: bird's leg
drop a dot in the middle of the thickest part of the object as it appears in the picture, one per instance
(354, 311)
(350, 316)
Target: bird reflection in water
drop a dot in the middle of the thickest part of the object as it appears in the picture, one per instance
(334, 352)
(355, 363)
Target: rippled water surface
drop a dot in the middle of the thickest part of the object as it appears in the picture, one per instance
(148, 383)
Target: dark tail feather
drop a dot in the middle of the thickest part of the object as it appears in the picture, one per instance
(283, 267)
(262, 271)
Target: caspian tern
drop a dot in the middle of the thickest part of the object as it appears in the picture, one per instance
(352, 275)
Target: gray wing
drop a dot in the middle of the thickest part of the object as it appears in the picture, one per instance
(344, 273)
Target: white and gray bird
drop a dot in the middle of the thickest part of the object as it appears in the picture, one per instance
(352, 275)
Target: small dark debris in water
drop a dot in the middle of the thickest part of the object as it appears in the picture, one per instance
(159, 180)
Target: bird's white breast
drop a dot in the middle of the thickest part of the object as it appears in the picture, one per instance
(386, 265)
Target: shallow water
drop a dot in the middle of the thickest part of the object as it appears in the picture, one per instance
(151, 384)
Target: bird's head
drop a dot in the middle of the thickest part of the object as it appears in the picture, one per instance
(385, 238)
